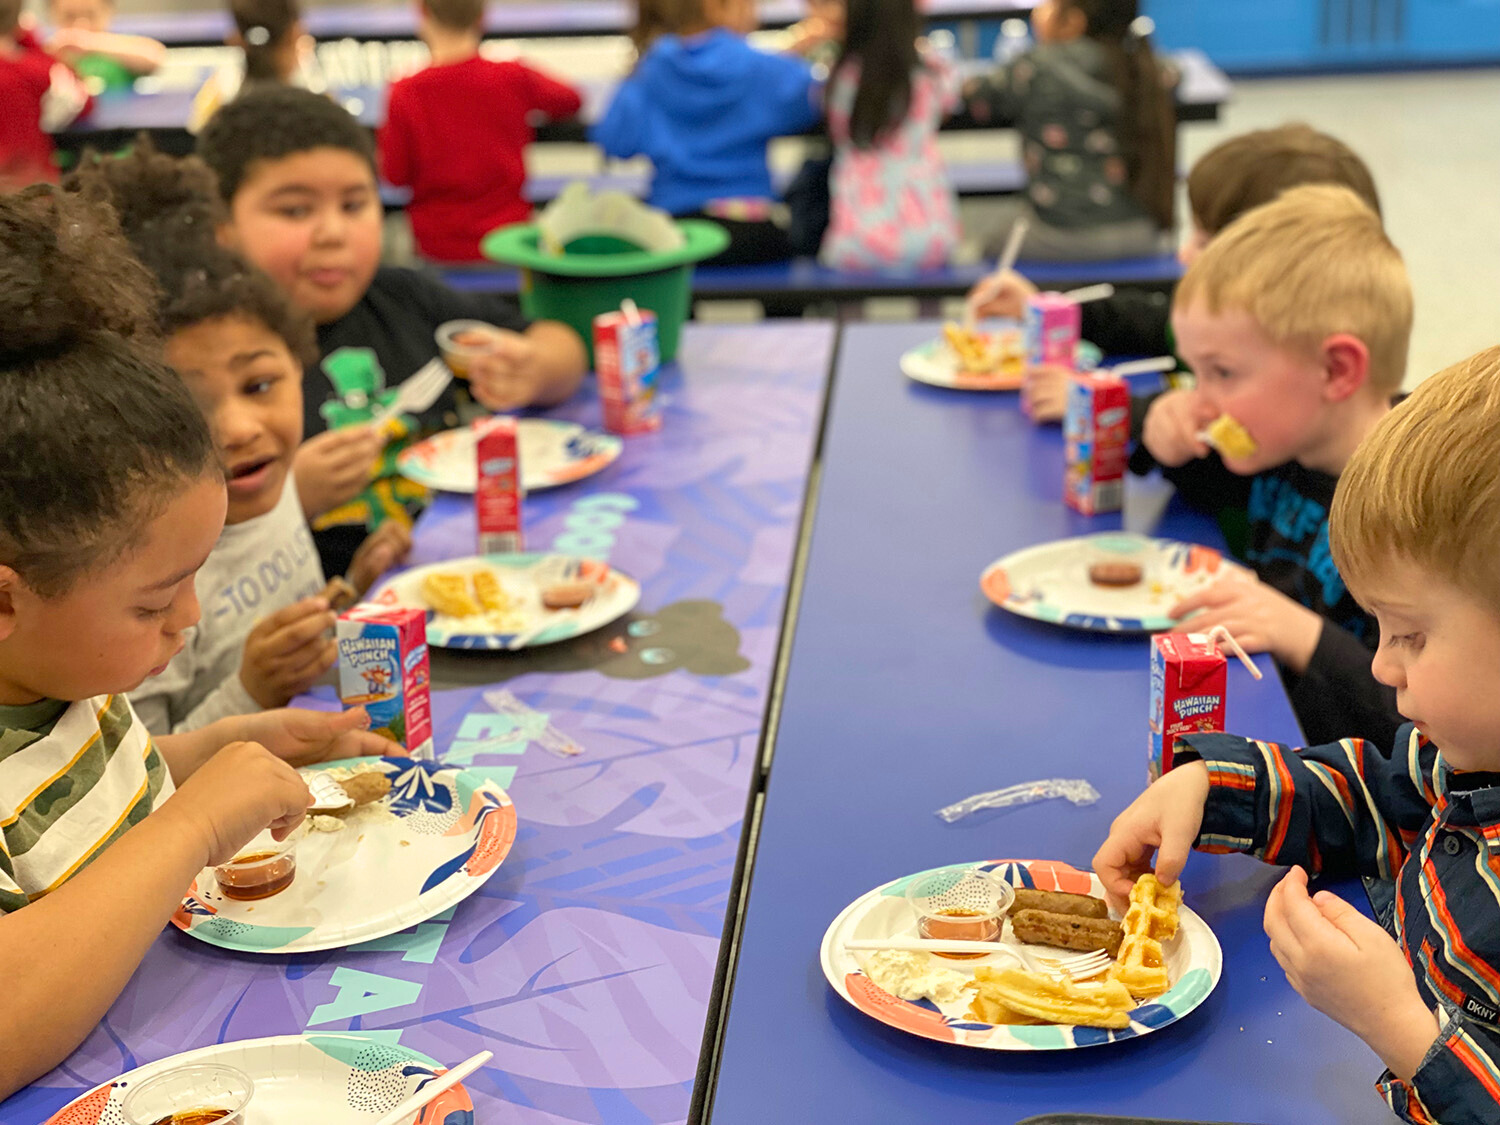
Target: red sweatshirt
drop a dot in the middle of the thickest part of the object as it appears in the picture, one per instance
(25, 77)
(456, 135)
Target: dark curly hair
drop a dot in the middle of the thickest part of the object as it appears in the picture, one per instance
(272, 123)
(161, 200)
(169, 208)
(96, 433)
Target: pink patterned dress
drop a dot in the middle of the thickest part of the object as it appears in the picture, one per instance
(891, 205)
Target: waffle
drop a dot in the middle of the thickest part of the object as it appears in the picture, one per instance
(1141, 964)
(1230, 438)
(491, 593)
(1040, 999)
(448, 593)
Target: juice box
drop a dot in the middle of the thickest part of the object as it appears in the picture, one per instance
(383, 667)
(497, 494)
(1054, 324)
(1188, 677)
(626, 354)
(1096, 431)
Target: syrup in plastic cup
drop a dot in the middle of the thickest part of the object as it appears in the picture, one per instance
(200, 1094)
(461, 341)
(960, 904)
(264, 867)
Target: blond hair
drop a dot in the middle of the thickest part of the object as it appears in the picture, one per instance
(1313, 262)
(1424, 486)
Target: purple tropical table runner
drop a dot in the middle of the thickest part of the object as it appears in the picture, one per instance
(586, 963)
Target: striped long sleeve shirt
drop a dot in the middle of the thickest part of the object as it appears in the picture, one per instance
(1426, 841)
(74, 777)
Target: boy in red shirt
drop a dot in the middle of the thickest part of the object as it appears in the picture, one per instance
(25, 77)
(456, 133)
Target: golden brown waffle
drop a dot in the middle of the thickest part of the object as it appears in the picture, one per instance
(448, 593)
(491, 593)
(1231, 438)
(1046, 1000)
(1141, 964)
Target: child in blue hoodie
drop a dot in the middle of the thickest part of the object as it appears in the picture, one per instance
(703, 104)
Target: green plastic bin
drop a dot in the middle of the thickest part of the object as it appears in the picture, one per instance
(596, 272)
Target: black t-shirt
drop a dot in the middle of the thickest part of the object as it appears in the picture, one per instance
(364, 356)
(1287, 545)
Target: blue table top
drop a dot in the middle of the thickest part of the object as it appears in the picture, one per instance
(519, 20)
(907, 691)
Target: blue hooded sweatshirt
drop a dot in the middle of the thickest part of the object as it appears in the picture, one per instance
(703, 109)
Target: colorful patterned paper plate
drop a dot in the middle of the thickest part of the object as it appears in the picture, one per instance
(1194, 962)
(333, 1079)
(1050, 582)
(936, 364)
(448, 832)
(553, 452)
(523, 577)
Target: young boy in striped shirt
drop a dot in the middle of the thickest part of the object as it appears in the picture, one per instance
(111, 497)
(1415, 531)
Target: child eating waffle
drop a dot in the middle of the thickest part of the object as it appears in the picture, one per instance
(1414, 529)
(1295, 321)
(111, 497)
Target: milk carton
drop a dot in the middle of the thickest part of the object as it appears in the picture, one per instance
(1188, 678)
(1054, 324)
(1096, 430)
(383, 668)
(497, 494)
(626, 354)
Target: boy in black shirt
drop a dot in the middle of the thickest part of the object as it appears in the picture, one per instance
(1295, 321)
(298, 175)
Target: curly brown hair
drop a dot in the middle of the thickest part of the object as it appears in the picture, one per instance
(96, 433)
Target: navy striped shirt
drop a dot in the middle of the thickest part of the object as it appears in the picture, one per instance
(1426, 840)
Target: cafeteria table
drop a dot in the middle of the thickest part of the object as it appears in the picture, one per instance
(1202, 90)
(517, 19)
(907, 691)
(587, 963)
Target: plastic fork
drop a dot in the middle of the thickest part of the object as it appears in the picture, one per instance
(526, 636)
(1079, 967)
(419, 392)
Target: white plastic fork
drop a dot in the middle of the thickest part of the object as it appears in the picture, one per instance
(1079, 967)
(415, 395)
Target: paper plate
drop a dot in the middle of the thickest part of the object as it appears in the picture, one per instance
(935, 364)
(447, 832)
(523, 576)
(333, 1079)
(1050, 582)
(1194, 963)
(553, 452)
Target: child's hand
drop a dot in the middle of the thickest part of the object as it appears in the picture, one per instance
(385, 547)
(1350, 969)
(286, 653)
(508, 376)
(1044, 394)
(1164, 819)
(808, 35)
(304, 738)
(1000, 294)
(1262, 619)
(1172, 427)
(237, 793)
(334, 467)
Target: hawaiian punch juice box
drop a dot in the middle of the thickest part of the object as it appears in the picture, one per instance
(626, 354)
(1096, 431)
(1188, 678)
(383, 668)
(1054, 324)
(497, 494)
